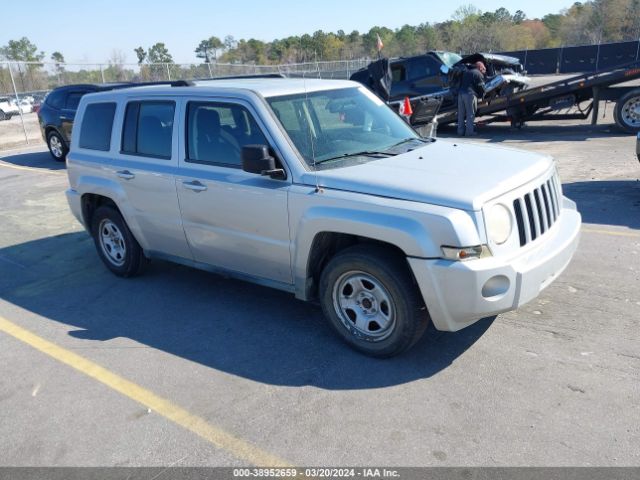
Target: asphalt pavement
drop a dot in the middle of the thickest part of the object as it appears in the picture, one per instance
(186, 368)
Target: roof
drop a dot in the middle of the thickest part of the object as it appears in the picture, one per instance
(97, 86)
(267, 87)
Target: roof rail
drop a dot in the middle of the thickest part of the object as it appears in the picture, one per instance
(257, 75)
(173, 83)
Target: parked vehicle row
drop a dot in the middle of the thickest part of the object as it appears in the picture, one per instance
(8, 108)
(316, 187)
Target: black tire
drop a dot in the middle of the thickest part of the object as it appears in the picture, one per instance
(625, 113)
(57, 150)
(374, 264)
(121, 252)
(4, 116)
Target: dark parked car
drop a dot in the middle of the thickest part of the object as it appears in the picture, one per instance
(57, 111)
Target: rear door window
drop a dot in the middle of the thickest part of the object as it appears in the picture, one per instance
(97, 123)
(148, 129)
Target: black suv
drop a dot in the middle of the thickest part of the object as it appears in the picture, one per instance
(58, 110)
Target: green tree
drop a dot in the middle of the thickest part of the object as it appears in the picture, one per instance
(23, 50)
(58, 66)
(208, 48)
(407, 40)
(141, 54)
(159, 53)
(57, 57)
(370, 40)
(519, 17)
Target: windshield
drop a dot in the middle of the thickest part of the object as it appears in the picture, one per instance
(449, 58)
(336, 124)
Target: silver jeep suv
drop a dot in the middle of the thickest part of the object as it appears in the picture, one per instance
(318, 188)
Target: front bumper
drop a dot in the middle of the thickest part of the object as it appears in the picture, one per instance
(459, 293)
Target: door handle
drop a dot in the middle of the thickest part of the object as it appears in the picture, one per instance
(195, 185)
(126, 174)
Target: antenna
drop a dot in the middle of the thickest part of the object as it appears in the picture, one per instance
(313, 151)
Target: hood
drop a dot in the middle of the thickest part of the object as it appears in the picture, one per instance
(457, 175)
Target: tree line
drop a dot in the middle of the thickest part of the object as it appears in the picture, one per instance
(468, 30)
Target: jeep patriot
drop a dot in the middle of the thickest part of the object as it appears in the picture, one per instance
(318, 188)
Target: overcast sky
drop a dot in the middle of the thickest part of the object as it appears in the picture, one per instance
(88, 31)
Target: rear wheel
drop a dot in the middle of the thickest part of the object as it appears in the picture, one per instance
(57, 146)
(369, 297)
(627, 112)
(3, 116)
(115, 243)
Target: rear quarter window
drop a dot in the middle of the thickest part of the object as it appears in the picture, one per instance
(56, 99)
(97, 123)
(73, 99)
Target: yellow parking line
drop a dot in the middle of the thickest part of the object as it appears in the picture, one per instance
(218, 437)
(611, 232)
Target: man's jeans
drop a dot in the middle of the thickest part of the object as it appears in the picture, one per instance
(467, 104)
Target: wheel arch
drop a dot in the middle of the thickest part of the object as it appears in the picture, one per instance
(324, 230)
(326, 245)
(51, 128)
(90, 202)
(93, 199)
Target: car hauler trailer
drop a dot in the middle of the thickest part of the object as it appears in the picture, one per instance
(563, 99)
(560, 100)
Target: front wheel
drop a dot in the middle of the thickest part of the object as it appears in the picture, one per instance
(57, 147)
(368, 295)
(116, 245)
(3, 116)
(627, 112)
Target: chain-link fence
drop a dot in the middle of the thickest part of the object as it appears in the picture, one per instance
(23, 85)
(31, 77)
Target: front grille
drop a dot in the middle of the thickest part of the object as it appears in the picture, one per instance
(538, 210)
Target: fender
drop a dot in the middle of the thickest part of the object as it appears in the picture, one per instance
(420, 236)
(89, 184)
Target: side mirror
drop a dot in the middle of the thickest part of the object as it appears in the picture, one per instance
(256, 159)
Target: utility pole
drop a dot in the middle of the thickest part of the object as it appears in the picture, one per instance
(15, 91)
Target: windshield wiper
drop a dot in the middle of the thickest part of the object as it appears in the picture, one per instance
(409, 139)
(364, 153)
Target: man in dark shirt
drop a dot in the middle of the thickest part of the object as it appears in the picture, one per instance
(471, 89)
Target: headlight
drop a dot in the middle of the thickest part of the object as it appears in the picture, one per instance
(499, 223)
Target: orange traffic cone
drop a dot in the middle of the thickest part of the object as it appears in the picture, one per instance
(406, 109)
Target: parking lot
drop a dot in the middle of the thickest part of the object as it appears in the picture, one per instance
(186, 368)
